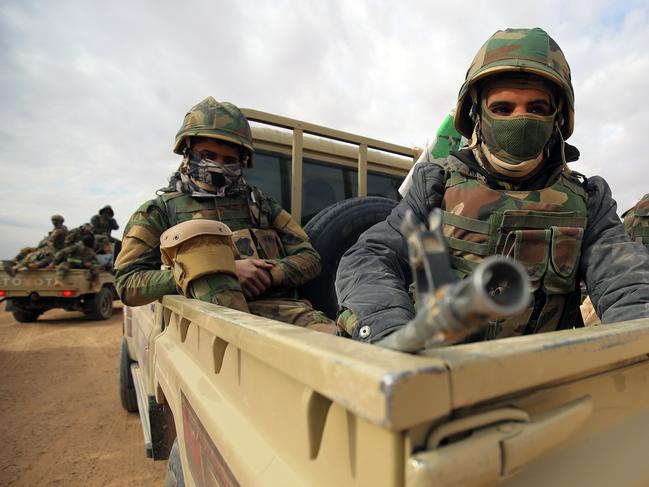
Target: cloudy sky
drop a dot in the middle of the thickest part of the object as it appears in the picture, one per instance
(93, 92)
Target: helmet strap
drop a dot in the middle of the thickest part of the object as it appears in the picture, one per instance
(562, 143)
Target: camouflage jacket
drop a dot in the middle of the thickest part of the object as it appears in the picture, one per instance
(374, 275)
(139, 279)
(636, 221)
(76, 234)
(103, 225)
(77, 255)
(57, 235)
(39, 258)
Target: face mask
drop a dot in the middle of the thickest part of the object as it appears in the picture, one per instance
(515, 139)
(208, 172)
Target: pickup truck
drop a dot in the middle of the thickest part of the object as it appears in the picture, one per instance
(29, 294)
(235, 399)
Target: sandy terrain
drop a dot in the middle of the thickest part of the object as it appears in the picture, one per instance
(61, 419)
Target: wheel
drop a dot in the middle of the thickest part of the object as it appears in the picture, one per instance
(126, 386)
(25, 316)
(100, 306)
(332, 232)
(174, 477)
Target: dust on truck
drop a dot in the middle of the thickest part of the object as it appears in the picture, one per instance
(236, 399)
(29, 294)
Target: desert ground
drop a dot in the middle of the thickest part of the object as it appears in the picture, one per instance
(61, 418)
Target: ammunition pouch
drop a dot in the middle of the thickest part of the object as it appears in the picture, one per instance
(245, 244)
(248, 240)
(197, 248)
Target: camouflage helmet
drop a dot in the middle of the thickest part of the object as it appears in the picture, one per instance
(216, 120)
(518, 51)
(57, 218)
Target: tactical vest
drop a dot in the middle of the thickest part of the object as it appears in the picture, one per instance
(247, 214)
(541, 229)
(636, 221)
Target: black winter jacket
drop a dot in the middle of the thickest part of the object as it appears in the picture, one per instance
(373, 276)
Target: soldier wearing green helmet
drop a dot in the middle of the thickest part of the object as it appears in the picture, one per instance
(510, 191)
(220, 239)
(57, 234)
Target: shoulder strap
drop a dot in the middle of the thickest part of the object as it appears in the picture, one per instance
(260, 208)
(577, 183)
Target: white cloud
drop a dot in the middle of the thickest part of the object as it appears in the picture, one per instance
(93, 92)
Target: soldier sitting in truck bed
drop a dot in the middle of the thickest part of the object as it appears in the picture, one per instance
(37, 259)
(104, 251)
(54, 240)
(76, 234)
(103, 223)
(57, 234)
(80, 255)
(207, 199)
(510, 192)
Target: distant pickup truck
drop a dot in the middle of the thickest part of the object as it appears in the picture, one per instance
(29, 294)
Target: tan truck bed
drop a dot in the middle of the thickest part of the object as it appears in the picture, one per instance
(258, 402)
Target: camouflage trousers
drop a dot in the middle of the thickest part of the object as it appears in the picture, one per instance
(24, 252)
(347, 322)
(7, 265)
(63, 269)
(225, 291)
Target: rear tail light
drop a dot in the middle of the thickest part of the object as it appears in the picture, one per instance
(3, 294)
(68, 293)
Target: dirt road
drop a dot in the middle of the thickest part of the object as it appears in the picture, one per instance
(61, 422)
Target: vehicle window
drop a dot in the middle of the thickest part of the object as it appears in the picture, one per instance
(322, 184)
(382, 185)
(272, 174)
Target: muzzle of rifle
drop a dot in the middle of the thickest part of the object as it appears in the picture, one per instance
(498, 288)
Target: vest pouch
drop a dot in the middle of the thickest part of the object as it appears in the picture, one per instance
(192, 209)
(269, 243)
(564, 258)
(245, 244)
(531, 249)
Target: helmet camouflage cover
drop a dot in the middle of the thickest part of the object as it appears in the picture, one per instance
(216, 120)
(57, 218)
(518, 51)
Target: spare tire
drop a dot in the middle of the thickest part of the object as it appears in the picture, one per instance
(332, 231)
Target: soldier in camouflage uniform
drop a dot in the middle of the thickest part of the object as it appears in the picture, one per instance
(509, 192)
(54, 239)
(57, 234)
(37, 259)
(636, 221)
(80, 255)
(10, 265)
(103, 223)
(105, 252)
(273, 254)
(76, 234)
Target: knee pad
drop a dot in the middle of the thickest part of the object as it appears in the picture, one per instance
(197, 248)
